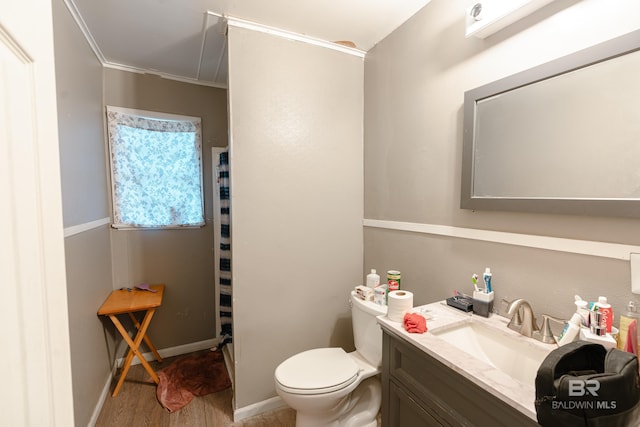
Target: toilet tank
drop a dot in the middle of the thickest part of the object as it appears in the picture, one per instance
(367, 334)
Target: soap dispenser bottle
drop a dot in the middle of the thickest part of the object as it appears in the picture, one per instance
(632, 314)
(373, 279)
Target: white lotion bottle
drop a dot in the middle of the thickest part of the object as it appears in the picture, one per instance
(582, 307)
(373, 279)
(571, 330)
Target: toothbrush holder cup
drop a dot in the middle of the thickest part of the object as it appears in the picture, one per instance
(482, 303)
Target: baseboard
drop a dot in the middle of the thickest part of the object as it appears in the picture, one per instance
(103, 396)
(167, 352)
(174, 351)
(258, 408)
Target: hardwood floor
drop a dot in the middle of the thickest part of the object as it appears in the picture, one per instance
(137, 405)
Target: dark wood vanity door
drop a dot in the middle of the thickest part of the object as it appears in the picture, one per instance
(418, 390)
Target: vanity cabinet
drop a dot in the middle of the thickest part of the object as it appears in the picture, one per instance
(418, 390)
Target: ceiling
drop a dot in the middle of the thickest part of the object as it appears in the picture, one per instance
(185, 39)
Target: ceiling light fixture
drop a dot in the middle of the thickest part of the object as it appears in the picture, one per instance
(476, 11)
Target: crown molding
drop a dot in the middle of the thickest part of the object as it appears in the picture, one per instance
(75, 13)
(168, 76)
(249, 25)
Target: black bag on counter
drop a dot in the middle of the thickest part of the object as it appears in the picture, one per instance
(583, 384)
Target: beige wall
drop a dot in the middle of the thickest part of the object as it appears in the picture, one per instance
(181, 259)
(85, 199)
(88, 263)
(82, 153)
(414, 85)
(296, 185)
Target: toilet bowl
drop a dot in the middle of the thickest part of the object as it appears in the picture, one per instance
(330, 387)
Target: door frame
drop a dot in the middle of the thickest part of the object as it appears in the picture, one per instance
(33, 308)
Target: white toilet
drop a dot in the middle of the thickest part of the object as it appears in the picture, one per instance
(330, 387)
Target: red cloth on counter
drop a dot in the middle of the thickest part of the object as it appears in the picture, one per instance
(415, 323)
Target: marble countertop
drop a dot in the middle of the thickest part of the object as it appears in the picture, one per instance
(439, 315)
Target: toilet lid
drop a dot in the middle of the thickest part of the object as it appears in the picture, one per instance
(321, 370)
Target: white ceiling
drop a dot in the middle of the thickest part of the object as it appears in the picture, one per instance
(185, 39)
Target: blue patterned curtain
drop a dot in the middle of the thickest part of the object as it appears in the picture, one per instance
(156, 169)
(225, 250)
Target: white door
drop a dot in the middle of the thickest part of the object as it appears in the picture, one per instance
(36, 385)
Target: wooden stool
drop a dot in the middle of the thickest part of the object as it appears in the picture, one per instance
(129, 301)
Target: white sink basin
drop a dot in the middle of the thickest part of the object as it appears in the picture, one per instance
(515, 355)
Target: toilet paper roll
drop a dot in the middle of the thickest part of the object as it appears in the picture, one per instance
(400, 302)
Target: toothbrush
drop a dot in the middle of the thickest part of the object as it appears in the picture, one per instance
(474, 279)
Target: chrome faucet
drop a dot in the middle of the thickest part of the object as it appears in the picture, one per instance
(524, 321)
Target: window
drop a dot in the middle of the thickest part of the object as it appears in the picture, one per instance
(156, 169)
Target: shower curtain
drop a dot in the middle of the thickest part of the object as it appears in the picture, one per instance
(225, 250)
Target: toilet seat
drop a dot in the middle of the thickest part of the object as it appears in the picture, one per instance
(317, 371)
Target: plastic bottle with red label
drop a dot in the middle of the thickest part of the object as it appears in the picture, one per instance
(607, 313)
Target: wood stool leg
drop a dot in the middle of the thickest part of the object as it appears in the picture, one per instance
(134, 349)
(146, 338)
(128, 359)
(138, 340)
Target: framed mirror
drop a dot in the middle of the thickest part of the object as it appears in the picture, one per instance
(563, 137)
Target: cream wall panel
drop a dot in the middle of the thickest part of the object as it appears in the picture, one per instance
(296, 184)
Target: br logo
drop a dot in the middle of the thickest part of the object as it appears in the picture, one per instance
(583, 387)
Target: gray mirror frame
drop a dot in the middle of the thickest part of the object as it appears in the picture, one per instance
(596, 207)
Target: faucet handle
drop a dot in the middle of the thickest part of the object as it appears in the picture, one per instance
(546, 334)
